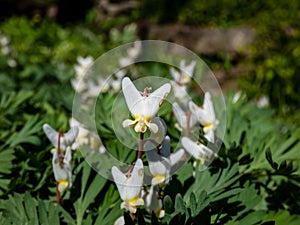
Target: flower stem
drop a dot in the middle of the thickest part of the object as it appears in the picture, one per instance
(61, 157)
(141, 145)
(188, 118)
(57, 194)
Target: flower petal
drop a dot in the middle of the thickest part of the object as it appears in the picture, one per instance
(51, 134)
(155, 99)
(133, 97)
(180, 115)
(128, 123)
(153, 127)
(120, 180)
(198, 151)
(137, 174)
(71, 135)
(176, 156)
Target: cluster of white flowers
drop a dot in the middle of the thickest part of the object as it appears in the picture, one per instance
(181, 79)
(90, 87)
(144, 106)
(6, 50)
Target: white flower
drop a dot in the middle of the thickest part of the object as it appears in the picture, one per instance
(130, 187)
(197, 150)
(179, 91)
(185, 74)
(4, 41)
(135, 50)
(125, 61)
(62, 172)
(83, 66)
(153, 203)
(205, 114)
(143, 107)
(116, 85)
(95, 87)
(5, 50)
(120, 73)
(67, 139)
(79, 85)
(160, 164)
(263, 102)
(11, 63)
(183, 118)
(120, 221)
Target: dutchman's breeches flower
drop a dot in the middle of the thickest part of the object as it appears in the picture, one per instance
(143, 107)
(161, 163)
(153, 202)
(130, 187)
(196, 149)
(62, 170)
(205, 115)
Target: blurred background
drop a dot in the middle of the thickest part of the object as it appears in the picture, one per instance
(250, 45)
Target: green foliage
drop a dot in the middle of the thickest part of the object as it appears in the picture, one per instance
(24, 209)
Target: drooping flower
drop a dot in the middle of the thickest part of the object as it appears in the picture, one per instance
(130, 187)
(185, 119)
(196, 149)
(180, 91)
(66, 139)
(205, 114)
(62, 170)
(153, 202)
(84, 64)
(85, 137)
(143, 107)
(185, 74)
(161, 161)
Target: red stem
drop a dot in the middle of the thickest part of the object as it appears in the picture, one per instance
(57, 194)
(61, 157)
(188, 118)
(141, 145)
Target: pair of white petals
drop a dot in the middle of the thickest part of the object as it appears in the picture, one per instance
(196, 149)
(143, 108)
(130, 187)
(153, 202)
(67, 139)
(205, 114)
(185, 74)
(62, 172)
(161, 164)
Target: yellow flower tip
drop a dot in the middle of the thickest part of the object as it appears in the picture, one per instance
(136, 201)
(160, 213)
(158, 179)
(186, 79)
(132, 204)
(208, 125)
(202, 161)
(63, 185)
(53, 150)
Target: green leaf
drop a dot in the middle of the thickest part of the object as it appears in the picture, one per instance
(168, 204)
(179, 204)
(193, 204)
